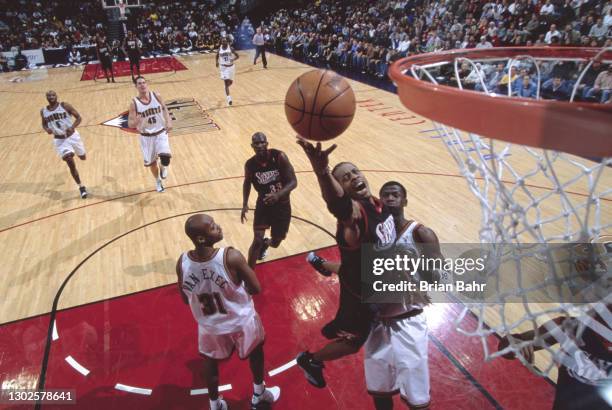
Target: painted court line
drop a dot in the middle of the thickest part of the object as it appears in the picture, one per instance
(282, 368)
(77, 366)
(132, 389)
(55, 335)
(196, 392)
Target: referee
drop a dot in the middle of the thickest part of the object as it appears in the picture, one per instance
(259, 42)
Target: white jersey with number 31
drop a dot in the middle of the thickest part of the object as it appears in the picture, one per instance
(218, 304)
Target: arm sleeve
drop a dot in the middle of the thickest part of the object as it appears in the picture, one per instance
(342, 208)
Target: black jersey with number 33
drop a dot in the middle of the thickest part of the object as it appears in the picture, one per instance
(266, 176)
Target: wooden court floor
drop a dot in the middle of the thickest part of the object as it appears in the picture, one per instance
(47, 231)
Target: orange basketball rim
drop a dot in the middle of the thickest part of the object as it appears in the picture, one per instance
(583, 129)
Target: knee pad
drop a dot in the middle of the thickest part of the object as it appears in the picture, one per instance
(165, 160)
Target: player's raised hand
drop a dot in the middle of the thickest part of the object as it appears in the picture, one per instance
(319, 157)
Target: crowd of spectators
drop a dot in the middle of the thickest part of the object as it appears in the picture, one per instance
(162, 26)
(367, 36)
(362, 36)
(31, 24)
(551, 80)
(172, 27)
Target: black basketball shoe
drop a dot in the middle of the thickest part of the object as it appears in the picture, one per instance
(317, 263)
(313, 369)
(264, 249)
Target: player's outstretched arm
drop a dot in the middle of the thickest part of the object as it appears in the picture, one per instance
(179, 274)
(217, 59)
(237, 263)
(319, 159)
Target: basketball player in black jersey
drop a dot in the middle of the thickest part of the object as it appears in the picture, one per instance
(571, 393)
(273, 177)
(362, 219)
(131, 47)
(105, 57)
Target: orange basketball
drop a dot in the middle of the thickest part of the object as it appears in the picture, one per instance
(320, 105)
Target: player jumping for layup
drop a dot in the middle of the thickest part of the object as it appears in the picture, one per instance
(57, 121)
(396, 357)
(362, 219)
(149, 115)
(273, 177)
(226, 56)
(217, 283)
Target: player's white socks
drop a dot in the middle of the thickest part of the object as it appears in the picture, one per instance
(158, 185)
(259, 388)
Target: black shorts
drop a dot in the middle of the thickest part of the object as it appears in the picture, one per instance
(134, 58)
(277, 217)
(106, 63)
(353, 318)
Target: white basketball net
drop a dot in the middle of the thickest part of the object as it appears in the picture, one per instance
(531, 199)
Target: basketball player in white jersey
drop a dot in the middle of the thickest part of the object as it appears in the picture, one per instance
(217, 284)
(396, 359)
(149, 115)
(57, 121)
(226, 56)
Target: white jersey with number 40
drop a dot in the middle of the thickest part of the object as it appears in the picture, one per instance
(218, 304)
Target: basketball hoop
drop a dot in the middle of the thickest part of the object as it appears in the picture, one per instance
(525, 161)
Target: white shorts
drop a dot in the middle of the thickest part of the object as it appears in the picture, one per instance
(396, 360)
(220, 347)
(227, 73)
(153, 146)
(71, 145)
